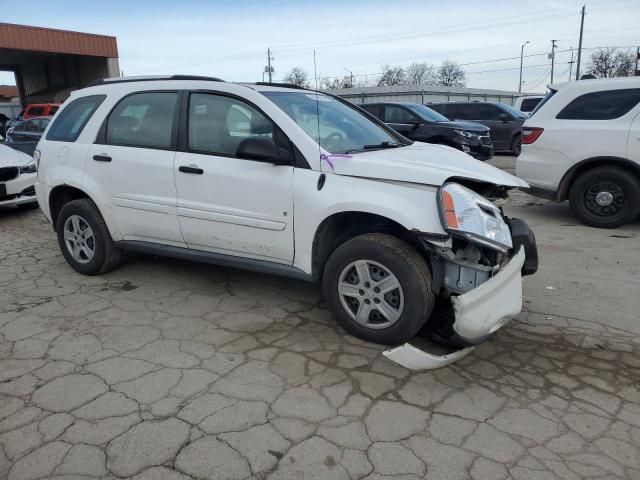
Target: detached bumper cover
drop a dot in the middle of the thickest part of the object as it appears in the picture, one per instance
(415, 359)
(485, 309)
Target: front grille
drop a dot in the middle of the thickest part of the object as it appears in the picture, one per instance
(485, 140)
(8, 173)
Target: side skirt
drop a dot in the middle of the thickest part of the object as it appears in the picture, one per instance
(260, 266)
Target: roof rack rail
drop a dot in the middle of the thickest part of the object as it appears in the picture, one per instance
(281, 84)
(109, 81)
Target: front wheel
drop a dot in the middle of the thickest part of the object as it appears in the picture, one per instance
(84, 238)
(378, 288)
(605, 197)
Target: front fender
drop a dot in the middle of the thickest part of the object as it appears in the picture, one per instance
(412, 205)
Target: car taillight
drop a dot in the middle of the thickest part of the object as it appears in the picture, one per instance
(531, 134)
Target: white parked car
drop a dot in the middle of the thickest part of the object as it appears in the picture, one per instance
(582, 144)
(17, 178)
(168, 166)
(527, 103)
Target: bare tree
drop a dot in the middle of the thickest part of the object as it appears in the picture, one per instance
(298, 77)
(420, 73)
(335, 83)
(609, 62)
(451, 75)
(392, 76)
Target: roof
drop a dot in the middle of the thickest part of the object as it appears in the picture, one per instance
(38, 39)
(8, 91)
(598, 83)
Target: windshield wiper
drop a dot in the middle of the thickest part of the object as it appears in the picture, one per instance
(381, 145)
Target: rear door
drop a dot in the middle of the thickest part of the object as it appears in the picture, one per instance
(227, 204)
(132, 164)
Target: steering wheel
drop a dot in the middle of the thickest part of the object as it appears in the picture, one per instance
(334, 139)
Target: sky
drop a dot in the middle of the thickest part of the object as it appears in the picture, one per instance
(230, 39)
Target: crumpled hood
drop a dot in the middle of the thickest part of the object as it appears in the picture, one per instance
(423, 163)
(13, 158)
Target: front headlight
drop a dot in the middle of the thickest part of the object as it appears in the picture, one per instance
(466, 134)
(465, 213)
(28, 168)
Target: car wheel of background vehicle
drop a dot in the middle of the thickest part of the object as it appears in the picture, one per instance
(605, 197)
(378, 288)
(516, 145)
(84, 238)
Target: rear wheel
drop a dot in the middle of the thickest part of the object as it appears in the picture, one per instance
(84, 238)
(605, 197)
(378, 288)
(516, 145)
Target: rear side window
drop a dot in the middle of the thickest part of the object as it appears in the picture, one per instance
(375, 110)
(35, 111)
(72, 119)
(528, 104)
(143, 120)
(459, 112)
(605, 105)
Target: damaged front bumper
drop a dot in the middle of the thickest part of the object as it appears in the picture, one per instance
(478, 313)
(482, 310)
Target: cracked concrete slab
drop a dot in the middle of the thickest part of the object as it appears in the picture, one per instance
(165, 369)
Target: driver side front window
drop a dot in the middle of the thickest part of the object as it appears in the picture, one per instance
(217, 124)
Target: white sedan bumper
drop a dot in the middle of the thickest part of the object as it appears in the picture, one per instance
(13, 189)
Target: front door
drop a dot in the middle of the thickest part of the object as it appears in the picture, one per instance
(401, 120)
(227, 204)
(132, 164)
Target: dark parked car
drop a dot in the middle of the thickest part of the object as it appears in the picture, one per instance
(25, 136)
(504, 121)
(420, 123)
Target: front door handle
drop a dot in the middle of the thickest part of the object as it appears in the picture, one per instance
(102, 158)
(196, 170)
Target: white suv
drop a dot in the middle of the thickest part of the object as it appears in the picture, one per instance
(582, 143)
(237, 175)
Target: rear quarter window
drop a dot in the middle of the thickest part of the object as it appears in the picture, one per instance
(68, 126)
(606, 105)
(35, 111)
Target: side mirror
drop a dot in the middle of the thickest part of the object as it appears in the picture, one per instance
(415, 123)
(261, 149)
(504, 117)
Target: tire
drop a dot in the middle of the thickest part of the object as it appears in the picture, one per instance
(384, 258)
(77, 215)
(516, 145)
(605, 184)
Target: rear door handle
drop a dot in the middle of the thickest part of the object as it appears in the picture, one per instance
(102, 158)
(196, 170)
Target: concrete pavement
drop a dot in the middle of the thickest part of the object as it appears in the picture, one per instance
(166, 369)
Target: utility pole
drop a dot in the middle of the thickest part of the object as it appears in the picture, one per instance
(580, 44)
(552, 56)
(350, 76)
(269, 69)
(571, 64)
(521, 57)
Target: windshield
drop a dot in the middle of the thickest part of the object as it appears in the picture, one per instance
(512, 111)
(427, 113)
(340, 128)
